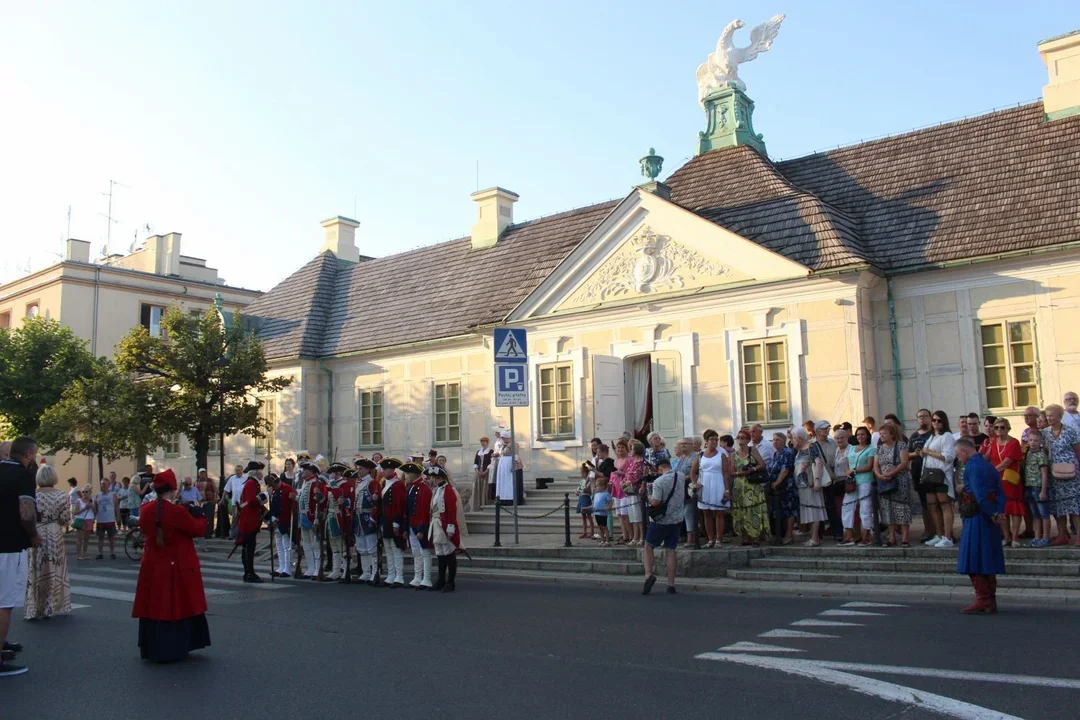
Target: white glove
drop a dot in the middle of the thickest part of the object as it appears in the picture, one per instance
(397, 526)
(450, 529)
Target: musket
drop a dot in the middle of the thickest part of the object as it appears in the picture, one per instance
(298, 546)
(320, 537)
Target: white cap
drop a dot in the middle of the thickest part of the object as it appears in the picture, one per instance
(505, 434)
(200, 470)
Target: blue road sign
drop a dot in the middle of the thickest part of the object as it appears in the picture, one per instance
(511, 385)
(511, 346)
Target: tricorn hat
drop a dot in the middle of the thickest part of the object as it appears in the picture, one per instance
(411, 467)
(310, 466)
(337, 468)
(365, 463)
(350, 474)
(254, 465)
(435, 471)
(390, 463)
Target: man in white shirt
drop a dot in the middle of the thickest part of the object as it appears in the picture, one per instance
(1071, 416)
(233, 487)
(758, 441)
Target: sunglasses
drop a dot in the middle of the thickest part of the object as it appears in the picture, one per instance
(938, 420)
(1000, 427)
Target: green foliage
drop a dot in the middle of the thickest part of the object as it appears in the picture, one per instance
(206, 374)
(107, 416)
(38, 361)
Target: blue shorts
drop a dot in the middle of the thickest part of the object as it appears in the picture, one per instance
(1040, 510)
(666, 535)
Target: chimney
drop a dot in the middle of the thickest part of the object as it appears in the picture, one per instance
(77, 250)
(341, 238)
(1061, 96)
(494, 212)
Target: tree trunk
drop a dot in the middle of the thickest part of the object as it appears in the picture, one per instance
(202, 448)
(100, 466)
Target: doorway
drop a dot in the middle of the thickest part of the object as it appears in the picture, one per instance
(640, 394)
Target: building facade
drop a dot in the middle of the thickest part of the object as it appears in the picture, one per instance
(102, 301)
(936, 269)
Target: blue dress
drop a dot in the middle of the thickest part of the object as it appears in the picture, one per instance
(980, 540)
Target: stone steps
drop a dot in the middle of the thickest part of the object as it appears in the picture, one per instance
(794, 577)
(1055, 568)
(917, 552)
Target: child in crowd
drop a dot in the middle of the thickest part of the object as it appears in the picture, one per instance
(1036, 489)
(601, 504)
(584, 502)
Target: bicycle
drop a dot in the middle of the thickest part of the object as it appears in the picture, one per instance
(134, 542)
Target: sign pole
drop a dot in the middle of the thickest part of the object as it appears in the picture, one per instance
(513, 472)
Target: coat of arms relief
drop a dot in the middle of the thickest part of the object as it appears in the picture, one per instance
(649, 263)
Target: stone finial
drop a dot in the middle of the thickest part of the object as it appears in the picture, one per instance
(651, 165)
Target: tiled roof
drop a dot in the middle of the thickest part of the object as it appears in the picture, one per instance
(1000, 182)
(994, 183)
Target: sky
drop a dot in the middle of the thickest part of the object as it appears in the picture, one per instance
(243, 125)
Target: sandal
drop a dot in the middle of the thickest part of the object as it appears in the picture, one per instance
(905, 545)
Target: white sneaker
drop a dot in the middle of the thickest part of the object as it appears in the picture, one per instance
(945, 543)
(932, 542)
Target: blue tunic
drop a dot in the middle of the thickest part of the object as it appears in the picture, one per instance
(980, 541)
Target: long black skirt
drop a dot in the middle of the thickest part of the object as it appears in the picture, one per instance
(161, 641)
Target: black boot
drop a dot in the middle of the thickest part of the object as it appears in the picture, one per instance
(441, 582)
(451, 561)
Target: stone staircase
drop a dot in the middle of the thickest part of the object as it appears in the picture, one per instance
(537, 502)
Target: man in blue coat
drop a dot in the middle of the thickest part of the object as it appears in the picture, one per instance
(981, 503)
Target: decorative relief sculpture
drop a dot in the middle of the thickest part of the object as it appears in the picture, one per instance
(648, 263)
(721, 68)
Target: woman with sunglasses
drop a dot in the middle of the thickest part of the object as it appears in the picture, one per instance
(1004, 453)
(936, 479)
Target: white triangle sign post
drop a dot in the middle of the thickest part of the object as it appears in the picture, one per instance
(512, 390)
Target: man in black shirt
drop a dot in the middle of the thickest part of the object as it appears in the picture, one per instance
(915, 444)
(975, 433)
(18, 533)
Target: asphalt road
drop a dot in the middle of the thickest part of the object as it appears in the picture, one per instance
(536, 650)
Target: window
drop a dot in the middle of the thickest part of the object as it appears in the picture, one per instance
(448, 412)
(556, 400)
(151, 319)
(1008, 355)
(172, 445)
(268, 414)
(33, 310)
(215, 445)
(765, 382)
(5, 319)
(371, 418)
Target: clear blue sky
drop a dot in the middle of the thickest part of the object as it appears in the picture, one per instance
(242, 125)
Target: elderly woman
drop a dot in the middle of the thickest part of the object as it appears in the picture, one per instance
(1004, 453)
(170, 602)
(781, 466)
(481, 470)
(809, 469)
(656, 451)
(47, 588)
(894, 483)
(1062, 444)
(750, 514)
(683, 464)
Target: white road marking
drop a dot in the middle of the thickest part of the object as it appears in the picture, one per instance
(78, 606)
(758, 647)
(207, 578)
(812, 622)
(871, 605)
(102, 593)
(816, 670)
(122, 581)
(782, 633)
(849, 613)
(1066, 683)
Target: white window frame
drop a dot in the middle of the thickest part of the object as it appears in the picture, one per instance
(174, 439)
(791, 331)
(554, 367)
(264, 446)
(33, 309)
(435, 414)
(214, 441)
(767, 400)
(360, 418)
(160, 332)
(1010, 375)
(576, 358)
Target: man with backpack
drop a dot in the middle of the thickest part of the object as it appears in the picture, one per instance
(666, 515)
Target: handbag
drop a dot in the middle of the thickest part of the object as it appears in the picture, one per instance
(969, 507)
(757, 476)
(891, 485)
(932, 476)
(658, 511)
(1010, 476)
(826, 478)
(77, 523)
(1063, 471)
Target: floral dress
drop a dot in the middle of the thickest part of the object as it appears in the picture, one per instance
(750, 509)
(787, 492)
(654, 456)
(895, 507)
(1064, 494)
(47, 587)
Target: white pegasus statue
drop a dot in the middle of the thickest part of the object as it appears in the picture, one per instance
(722, 66)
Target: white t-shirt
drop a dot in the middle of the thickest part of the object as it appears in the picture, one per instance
(1071, 419)
(233, 487)
(945, 445)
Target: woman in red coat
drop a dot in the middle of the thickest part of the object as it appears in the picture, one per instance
(169, 598)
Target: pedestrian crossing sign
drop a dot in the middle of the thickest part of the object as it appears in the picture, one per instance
(510, 346)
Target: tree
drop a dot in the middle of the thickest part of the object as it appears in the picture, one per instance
(206, 372)
(37, 362)
(107, 416)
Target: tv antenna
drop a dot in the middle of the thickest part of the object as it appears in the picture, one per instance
(109, 219)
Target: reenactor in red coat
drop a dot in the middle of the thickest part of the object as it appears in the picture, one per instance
(394, 522)
(282, 509)
(312, 499)
(346, 519)
(250, 519)
(445, 527)
(366, 506)
(418, 509)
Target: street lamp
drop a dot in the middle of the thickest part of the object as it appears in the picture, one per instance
(222, 362)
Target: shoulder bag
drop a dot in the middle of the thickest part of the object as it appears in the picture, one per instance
(1063, 471)
(658, 511)
(889, 486)
(757, 474)
(826, 478)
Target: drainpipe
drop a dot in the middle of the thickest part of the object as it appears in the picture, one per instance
(93, 352)
(895, 350)
(329, 410)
